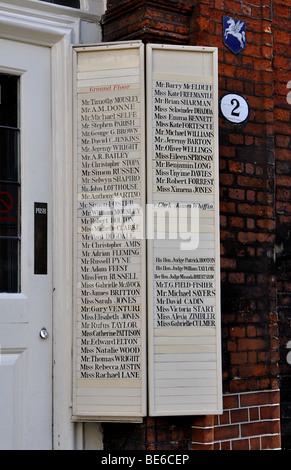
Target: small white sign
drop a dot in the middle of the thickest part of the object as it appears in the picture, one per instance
(234, 108)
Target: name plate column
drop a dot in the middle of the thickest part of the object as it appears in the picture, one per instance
(183, 231)
(110, 313)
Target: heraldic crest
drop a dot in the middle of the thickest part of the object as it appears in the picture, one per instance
(234, 34)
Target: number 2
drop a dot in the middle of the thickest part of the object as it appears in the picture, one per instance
(236, 102)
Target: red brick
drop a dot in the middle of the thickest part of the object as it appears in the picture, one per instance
(251, 196)
(150, 436)
(254, 414)
(249, 168)
(238, 358)
(281, 36)
(195, 446)
(239, 416)
(247, 370)
(236, 222)
(250, 182)
(241, 444)
(248, 344)
(233, 6)
(219, 4)
(270, 412)
(224, 418)
(151, 447)
(255, 443)
(253, 209)
(230, 401)
(259, 427)
(226, 179)
(236, 167)
(226, 432)
(204, 421)
(252, 237)
(227, 206)
(237, 332)
(267, 224)
(202, 435)
(227, 235)
(236, 193)
(225, 445)
(247, 10)
(271, 442)
(236, 278)
(227, 151)
(283, 155)
(227, 263)
(250, 226)
(282, 11)
(231, 345)
(260, 398)
(282, 114)
(236, 139)
(251, 330)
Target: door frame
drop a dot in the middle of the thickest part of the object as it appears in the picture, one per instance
(43, 24)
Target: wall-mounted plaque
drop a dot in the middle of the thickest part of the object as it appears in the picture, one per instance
(122, 239)
(183, 245)
(40, 237)
(109, 333)
(234, 108)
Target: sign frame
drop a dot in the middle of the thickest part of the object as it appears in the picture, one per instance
(203, 344)
(94, 410)
(157, 402)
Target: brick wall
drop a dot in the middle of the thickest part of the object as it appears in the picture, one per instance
(282, 75)
(247, 204)
(255, 208)
(250, 421)
(165, 21)
(248, 209)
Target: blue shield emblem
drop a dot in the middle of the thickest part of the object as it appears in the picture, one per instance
(234, 34)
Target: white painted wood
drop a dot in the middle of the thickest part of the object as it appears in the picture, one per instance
(199, 374)
(12, 368)
(57, 27)
(183, 272)
(109, 303)
(63, 430)
(30, 382)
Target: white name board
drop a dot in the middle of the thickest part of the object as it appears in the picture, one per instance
(146, 233)
(110, 311)
(183, 253)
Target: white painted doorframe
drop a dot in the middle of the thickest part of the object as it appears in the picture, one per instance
(26, 369)
(57, 33)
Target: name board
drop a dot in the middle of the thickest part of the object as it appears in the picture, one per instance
(183, 251)
(109, 337)
(146, 232)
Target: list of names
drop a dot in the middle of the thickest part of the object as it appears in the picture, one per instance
(183, 170)
(109, 221)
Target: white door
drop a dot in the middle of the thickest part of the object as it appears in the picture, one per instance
(25, 252)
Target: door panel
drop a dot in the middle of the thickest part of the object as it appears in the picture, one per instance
(26, 358)
(11, 376)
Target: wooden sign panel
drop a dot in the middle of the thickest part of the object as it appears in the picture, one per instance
(109, 336)
(183, 231)
(114, 222)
